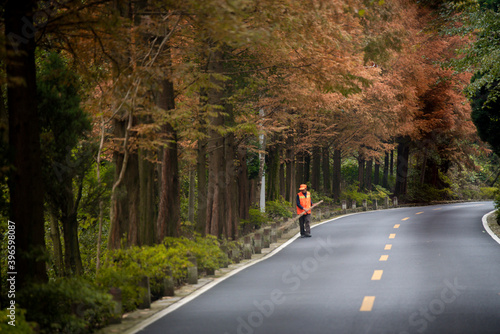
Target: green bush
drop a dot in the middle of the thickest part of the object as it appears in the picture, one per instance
(125, 268)
(21, 325)
(351, 193)
(487, 192)
(67, 305)
(497, 207)
(257, 219)
(316, 197)
(279, 208)
(206, 250)
(425, 193)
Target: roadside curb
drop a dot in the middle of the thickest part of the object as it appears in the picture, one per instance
(487, 227)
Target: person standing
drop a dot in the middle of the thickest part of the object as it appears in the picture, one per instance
(304, 202)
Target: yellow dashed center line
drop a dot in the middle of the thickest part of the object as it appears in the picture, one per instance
(397, 226)
(377, 275)
(406, 218)
(392, 235)
(419, 213)
(384, 257)
(367, 304)
(388, 247)
(437, 209)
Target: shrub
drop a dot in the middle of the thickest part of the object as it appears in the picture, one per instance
(257, 219)
(497, 207)
(316, 197)
(425, 193)
(67, 305)
(125, 268)
(279, 208)
(487, 192)
(351, 193)
(21, 325)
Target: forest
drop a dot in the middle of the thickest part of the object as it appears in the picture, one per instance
(138, 132)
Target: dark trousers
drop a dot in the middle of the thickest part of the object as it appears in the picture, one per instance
(304, 222)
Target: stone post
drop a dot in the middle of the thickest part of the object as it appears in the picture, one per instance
(365, 205)
(146, 297)
(168, 283)
(266, 238)
(274, 236)
(116, 316)
(375, 204)
(192, 271)
(344, 206)
(257, 243)
(386, 203)
(353, 204)
(247, 247)
(395, 202)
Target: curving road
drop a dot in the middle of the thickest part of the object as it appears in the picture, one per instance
(410, 270)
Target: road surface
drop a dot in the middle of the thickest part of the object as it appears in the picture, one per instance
(409, 270)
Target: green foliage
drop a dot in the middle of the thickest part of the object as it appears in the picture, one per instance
(485, 105)
(279, 208)
(349, 172)
(426, 193)
(256, 220)
(351, 193)
(316, 197)
(22, 326)
(67, 305)
(497, 206)
(487, 192)
(125, 268)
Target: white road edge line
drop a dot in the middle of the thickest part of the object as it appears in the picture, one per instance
(488, 229)
(216, 281)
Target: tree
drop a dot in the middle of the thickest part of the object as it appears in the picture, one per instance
(25, 177)
(65, 162)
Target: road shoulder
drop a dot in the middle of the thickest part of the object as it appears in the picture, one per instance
(491, 226)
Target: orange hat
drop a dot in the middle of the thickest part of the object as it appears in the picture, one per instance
(303, 186)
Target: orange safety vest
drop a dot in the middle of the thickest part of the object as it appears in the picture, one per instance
(305, 201)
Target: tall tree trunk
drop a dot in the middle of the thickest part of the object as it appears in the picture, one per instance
(215, 148)
(361, 173)
(424, 165)
(273, 190)
(402, 167)
(316, 168)
(391, 168)
(290, 170)
(299, 171)
(131, 184)
(376, 173)
(325, 163)
(191, 201)
(337, 168)
(201, 171)
(231, 185)
(282, 178)
(385, 179)
(368, 175)
(72, 257)
(55, 235)
(307, 167)
(119, 198)
(147, 218)
(25, 179)
(243, 184)
(169, 211)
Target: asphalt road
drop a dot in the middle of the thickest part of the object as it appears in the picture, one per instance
(410, 270)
